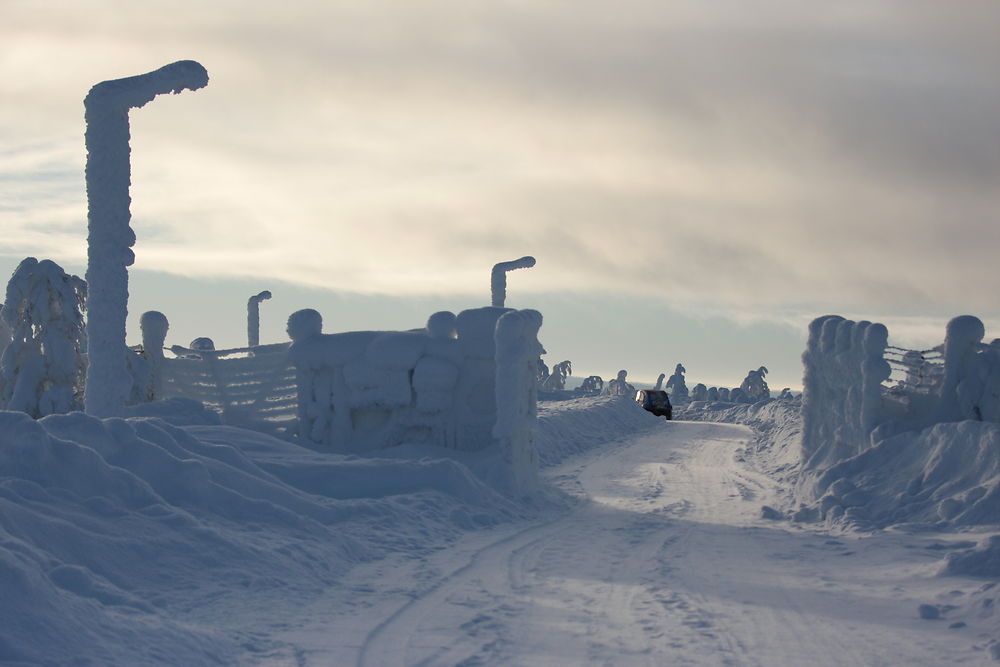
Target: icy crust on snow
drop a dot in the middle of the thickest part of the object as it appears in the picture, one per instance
(120, 537)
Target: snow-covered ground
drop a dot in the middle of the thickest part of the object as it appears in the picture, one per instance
(142, 542)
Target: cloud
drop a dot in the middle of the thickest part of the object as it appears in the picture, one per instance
(753, 159)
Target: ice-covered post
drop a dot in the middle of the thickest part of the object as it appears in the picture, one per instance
(498, 279)
(110, 238)
(517, 352)
(964, 334)
(253, 318)
(154, 326)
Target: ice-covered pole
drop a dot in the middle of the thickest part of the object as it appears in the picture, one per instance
(253, 317)
(110, 238)
(498, 279)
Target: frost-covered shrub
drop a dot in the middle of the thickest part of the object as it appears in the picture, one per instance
(42, 369)
(713, 394)
(699, 393)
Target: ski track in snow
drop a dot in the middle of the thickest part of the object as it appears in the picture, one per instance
(663, 560)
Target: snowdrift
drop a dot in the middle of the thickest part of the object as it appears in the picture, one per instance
(944, 476)
(119, 537)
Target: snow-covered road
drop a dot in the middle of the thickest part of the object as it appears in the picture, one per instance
(663, 560)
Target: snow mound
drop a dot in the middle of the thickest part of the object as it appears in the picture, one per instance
(947, 475)
(980, 561)
(119, 537)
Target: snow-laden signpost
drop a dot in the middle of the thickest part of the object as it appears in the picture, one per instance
(498, 278)
(110, 238)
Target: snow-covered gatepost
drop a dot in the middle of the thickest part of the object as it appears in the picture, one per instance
(110, 238)
(517, 352)
(253, 317)
(844, 368)
(498, 278)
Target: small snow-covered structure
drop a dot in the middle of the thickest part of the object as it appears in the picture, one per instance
(110, 238)
(42, 368)
(498, 278)
(362, 391)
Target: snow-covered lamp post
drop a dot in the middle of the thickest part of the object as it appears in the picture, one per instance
(253, 317)
(110, 238)
(498, 279)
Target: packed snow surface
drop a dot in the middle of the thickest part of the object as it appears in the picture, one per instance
(171, 539)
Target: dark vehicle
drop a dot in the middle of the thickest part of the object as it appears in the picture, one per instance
(655, 401)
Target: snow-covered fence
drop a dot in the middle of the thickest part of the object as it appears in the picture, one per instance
(252, 387)
(847, 366)
(368, 390)
(843, 371)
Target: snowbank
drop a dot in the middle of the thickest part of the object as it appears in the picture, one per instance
(568, 427)
(946, 475)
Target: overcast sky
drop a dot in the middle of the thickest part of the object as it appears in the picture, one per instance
(733, 166)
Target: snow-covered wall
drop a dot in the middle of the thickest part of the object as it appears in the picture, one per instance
(110, 238)
(362, 391)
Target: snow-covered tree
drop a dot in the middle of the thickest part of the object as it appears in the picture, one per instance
(42, 369)
(557, 380)
(659, 381)
(676, 385)
(620, 385)
(699, 393)
(592, 384)
(543, 374)
(754, 386)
